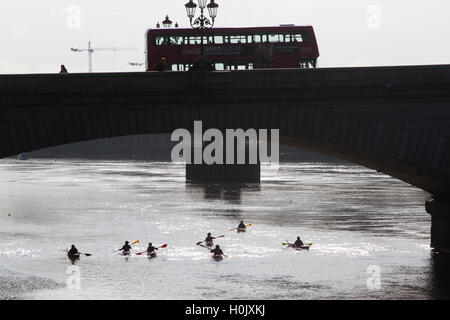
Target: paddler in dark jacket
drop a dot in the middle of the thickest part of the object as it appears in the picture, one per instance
(298, 243)
(209, 239)
(241, 225)
(126, 247)
(73, 251)
(217, 251)
(151, 248)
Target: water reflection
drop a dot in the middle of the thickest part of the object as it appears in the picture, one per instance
(440, 276)
(229, 192)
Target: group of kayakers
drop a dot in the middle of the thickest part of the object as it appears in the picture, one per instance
(217, 252)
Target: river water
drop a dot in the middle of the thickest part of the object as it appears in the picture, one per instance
(359, 221)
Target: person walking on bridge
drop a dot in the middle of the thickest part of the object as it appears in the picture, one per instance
(63, 69)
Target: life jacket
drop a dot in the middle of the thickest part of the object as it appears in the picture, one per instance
(217, 252)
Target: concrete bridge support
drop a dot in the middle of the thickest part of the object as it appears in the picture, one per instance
(439, 210)
(227, 173)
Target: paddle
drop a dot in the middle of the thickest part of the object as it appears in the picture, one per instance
(137, 241)
(291, 244)
(163, 246)
(79, 253)
(198, 243)
(248, 225)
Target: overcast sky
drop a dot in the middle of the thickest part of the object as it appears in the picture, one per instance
(36, 35)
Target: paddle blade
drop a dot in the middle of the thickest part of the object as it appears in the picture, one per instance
(198, 243)
(139, 253)
(249, 225)
(164, 245)
(137, 241)
(221, 236)
(88, 254)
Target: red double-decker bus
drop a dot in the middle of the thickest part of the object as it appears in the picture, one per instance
(286, 46)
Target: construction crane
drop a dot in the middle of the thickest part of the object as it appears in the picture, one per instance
(91, 50)
(136, 64)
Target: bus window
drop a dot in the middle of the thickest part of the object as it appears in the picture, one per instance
(249, 39)
(220, 66)
(238, 39)
(159, 40)
(195, 40)
(303, 64)
(176, 40)
(226, 39)
(273, 38)
(167, 40)
(297, 37)
(218, 39)
(287, 38)
(260, 38)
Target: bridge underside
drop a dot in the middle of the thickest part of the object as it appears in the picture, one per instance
(395, 120)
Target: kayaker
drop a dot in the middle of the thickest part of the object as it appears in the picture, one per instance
(126, 247)
(217, 251)
(151, 248)
(242, 225)
(73, 251)
(209, 240)
(298, 243)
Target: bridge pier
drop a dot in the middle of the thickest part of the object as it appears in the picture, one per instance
(440, 224)
(225, 173)
(228, 173)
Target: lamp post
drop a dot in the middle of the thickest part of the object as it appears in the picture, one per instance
(202, 22)
(167, 23)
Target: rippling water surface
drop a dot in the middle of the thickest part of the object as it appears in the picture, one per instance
(356, 218)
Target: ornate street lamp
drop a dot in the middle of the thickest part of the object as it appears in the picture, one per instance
(202, 22)
(212, 8)
(167, 23)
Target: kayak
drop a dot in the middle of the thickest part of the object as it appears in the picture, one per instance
(217, 257)
(300, 247)
(241, 230)
(151, 254)
(75, 256)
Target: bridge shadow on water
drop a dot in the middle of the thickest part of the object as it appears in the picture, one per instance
(440, 276)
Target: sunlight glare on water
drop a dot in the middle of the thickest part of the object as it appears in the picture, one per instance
(355, 218)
